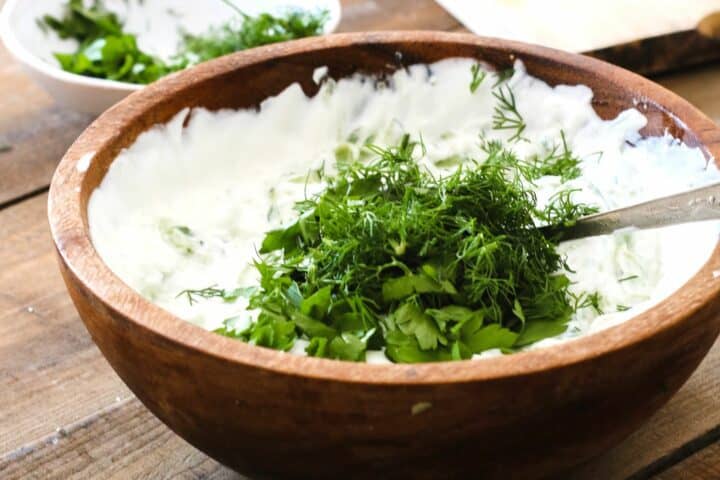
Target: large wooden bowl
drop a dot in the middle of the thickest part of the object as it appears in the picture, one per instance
(274, 415)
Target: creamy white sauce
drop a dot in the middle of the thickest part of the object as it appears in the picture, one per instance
(230, 176)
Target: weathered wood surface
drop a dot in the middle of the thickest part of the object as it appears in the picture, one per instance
(37, 131)
(703, 465)
(65, 414)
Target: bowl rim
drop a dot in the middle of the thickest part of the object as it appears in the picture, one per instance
(16, 48)
(72, 240)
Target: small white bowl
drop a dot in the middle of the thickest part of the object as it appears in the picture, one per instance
(157, 31)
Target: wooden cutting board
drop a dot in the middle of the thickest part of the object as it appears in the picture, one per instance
(647, 36)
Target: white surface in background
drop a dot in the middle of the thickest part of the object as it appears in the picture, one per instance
(577, 25)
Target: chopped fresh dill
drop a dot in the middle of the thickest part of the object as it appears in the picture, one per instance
(251, 31)
(563, 211)
(506, 115)
(563, 164)
(428, 268)
(215, 292)
(627, 278)
(589, 300)
(622, 308)
(559, 161)
(478, 75)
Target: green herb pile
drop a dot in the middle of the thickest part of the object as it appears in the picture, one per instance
(425, 267)
(252, 32)
(105, 50)
(429, 268)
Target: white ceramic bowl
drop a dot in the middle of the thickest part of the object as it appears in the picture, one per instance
(157, 31)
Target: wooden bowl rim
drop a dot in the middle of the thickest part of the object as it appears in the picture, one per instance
(72, 240)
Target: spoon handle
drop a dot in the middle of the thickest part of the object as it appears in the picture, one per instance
(691, 206)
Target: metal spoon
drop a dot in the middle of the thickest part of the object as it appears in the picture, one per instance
(691, 206)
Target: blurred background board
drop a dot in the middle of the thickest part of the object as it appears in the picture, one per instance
(646, 36)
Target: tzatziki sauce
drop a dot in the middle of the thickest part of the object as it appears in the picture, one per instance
(187, 205)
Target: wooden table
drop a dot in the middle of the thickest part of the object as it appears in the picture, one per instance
(65, 414)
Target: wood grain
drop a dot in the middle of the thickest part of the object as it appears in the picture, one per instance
(51, 373)
(671, 435)
(704, 465)
(38, 131)
(121, 442)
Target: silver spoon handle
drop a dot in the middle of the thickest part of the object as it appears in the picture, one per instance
(691, 206)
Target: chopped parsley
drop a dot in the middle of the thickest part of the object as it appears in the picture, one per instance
(427, 268)
(104, 50)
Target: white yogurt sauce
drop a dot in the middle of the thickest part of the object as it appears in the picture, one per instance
(230, 176)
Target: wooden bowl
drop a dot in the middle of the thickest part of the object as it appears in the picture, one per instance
(275, 415)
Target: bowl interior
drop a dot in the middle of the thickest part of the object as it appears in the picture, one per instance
(244, 80)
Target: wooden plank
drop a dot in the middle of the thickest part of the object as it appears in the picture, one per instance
(704, 465)
(361, 15)
(37, 130)
(51, 374)
(122, 442)
(63, 411)
(662, 53)
(700, 86)
(670, 435)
